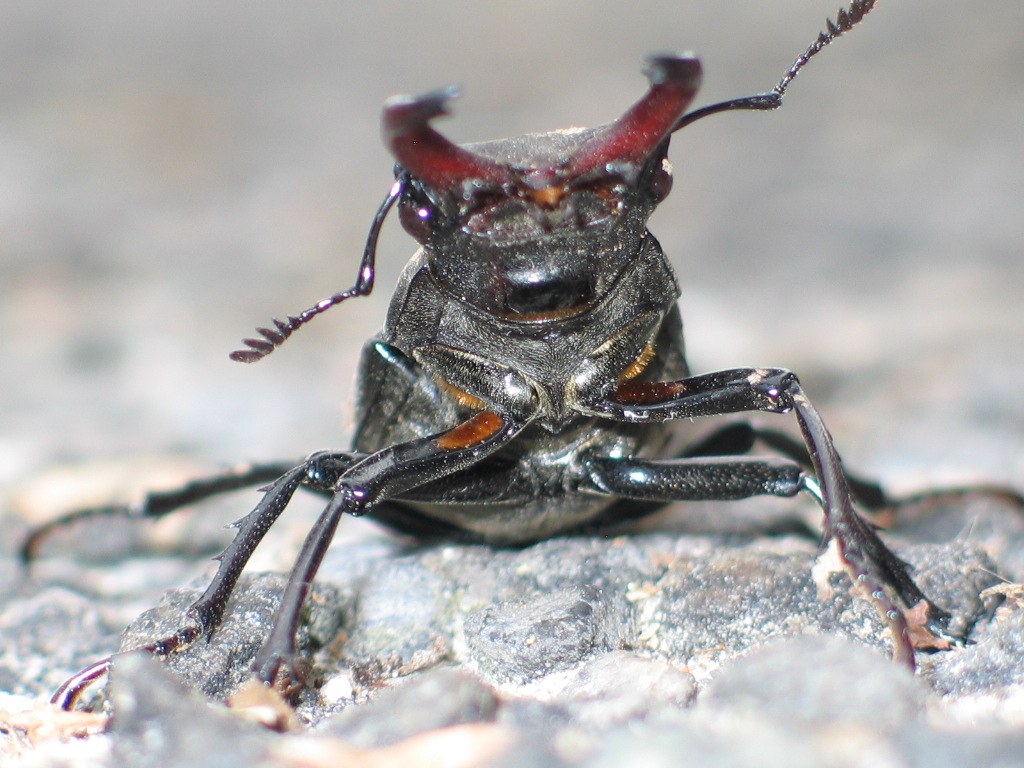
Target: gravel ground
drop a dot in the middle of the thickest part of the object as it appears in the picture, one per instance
(173, 176)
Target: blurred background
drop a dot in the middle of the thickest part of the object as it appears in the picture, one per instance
(174, 174)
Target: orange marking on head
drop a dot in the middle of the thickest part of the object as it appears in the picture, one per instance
(548, 196)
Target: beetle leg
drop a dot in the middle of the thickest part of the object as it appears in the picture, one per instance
(721, 479)
(694, 479)
(379, 476)
(206, 612)
(318, 473)
(866, 559)
(160, 503)
(740, 438)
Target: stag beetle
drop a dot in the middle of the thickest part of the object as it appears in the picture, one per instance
(531, 368)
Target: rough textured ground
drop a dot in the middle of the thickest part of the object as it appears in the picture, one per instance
(174, 175)
(580, 651)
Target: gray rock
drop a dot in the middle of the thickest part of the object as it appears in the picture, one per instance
(523, 640)
(394, 626)
(159, 722)
(732, 743)
(48, 636)
(598, 648)
(991, 663)
(986, 746)
(437, 698)
(811, 681)
(218, 667)
(619, 688)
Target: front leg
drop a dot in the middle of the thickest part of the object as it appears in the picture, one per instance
(376, 478)
(206, 613)
(868, 562)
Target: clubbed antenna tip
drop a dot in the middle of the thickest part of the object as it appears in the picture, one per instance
(272, 338)
(846, 19)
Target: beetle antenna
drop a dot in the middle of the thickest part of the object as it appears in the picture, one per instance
(846, 19)
(276, 336)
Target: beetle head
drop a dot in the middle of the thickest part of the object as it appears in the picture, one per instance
(537, 226)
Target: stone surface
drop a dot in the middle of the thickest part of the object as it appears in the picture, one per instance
(437, 698)
(523, 640)
(813, 681)
(716, 647)
(158, 722)
(221, 667)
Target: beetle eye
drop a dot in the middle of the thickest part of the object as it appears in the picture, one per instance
(417, 217)
(661, 180)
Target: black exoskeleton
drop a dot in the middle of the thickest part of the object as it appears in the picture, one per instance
(532, 369)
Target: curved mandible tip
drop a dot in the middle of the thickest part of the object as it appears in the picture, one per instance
(425, 153)
(674, 80)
